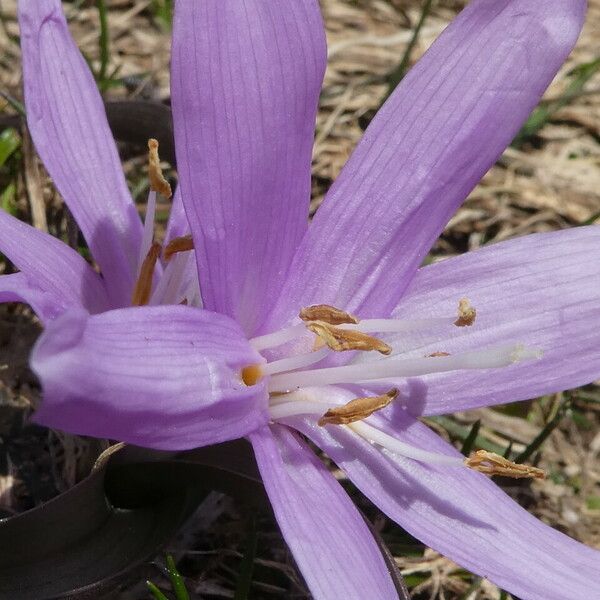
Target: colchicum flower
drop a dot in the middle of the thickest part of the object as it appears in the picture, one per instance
(332, 329)
(66, 117)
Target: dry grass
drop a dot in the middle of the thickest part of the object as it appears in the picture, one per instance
(552, 184)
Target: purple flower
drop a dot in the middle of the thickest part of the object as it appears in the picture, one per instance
(66, 118)
(245, 84)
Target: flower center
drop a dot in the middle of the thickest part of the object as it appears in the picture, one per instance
(163, 282)
(331, 330)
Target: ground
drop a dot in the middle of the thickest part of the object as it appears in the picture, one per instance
(550, 181)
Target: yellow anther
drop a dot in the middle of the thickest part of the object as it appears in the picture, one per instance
(143, 285)
(357, 409)
(178, 244)
(251, 374)
(494, 464)
(438, 354)
(327, 314)
(341, 340)
(466, 313)
(158, 183)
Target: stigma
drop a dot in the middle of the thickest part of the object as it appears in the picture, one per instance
(374, 351)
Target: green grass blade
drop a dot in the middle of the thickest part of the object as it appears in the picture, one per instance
(177, 581)
(396, 76)
(9, 143)
(244, 581)
(163, 11)
(541, 437)
(103, 42)
(461, 432)
(471, 437)
(158, 595)
(543, 113)
(13, 103)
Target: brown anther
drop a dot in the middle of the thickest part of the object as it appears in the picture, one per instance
(178, 244)
(436, 354)
(327, 314)
(143, 285)
(494, 464)
(158, 183)
(341, 340)
(466, 313)
(357, 409)
(251, 374)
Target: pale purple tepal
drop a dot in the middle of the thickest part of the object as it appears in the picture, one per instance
(246, 77)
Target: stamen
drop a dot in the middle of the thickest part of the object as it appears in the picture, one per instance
(394, 446)
(438, 354)
(178, 244)
(294, 409)
(157, 180)
(252, 374)
(295, 362)
(278, 338)
(398, 325)
(148, 234)
(341, 340)
(394, 367)
(466, 313)
(357, 409)
(291, 405)
(327, 314)
(494, 464)
(143, 285)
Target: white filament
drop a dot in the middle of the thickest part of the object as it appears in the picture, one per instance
(397, 325)
(160, 292)
(287, 377)
(191, 291)
(395, 367)
(295, 362)
(289, 406)
(295, 408)
(176, 268)
(278, 338)
(148, 234)
(398, 448)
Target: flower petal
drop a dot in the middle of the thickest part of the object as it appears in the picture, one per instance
(327, 535)
(164, 377)
(542, 291)
(463, 515)
(245, 83)
(52, 266)
(440, 131)
(17, 288)
(68, 125)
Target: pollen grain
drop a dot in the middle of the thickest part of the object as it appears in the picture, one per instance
(494, 464)
(143, 285)
(357, 409)
(466, 313)
(342, 340)
(328, 314)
